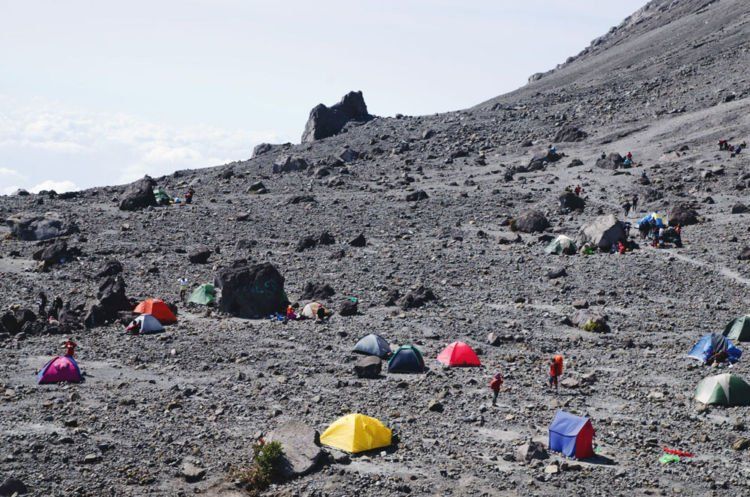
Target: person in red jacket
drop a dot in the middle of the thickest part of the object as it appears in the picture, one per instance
(555, 371)
(70, 347)
(495, 384)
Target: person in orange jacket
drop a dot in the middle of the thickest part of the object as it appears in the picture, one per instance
(495, 384)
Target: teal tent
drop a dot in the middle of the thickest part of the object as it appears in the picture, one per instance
(203, 295)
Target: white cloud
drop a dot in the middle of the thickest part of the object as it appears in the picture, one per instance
(93, 149)
(57, 186)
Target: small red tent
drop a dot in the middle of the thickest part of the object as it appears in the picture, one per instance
(157, 308)
(458, 354)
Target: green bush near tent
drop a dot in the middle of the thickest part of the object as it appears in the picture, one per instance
(203, 295)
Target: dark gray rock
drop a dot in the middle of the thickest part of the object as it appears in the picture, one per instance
(358, 241)
(317, 291)
(744, 254)
(139, 195)
(325, 121)
(301, 453)
(30, 227)
(289, 164)
(417, 196)
(111, 267)
(739, 208)
(348, 308)
(531, 222)
(417, 298)
(368, 367)
(683, 214)
(306, 243)
(570, 202)
(251, 291)
(13, 486)
(200, 255)
(612, 161)
(531, 451)
(570, 134)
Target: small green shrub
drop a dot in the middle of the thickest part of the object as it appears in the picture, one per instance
(264, 469)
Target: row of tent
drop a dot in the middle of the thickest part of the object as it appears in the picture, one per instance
(568, 434)
(407, 359)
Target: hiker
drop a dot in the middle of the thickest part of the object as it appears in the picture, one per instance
(134, 328)
(56, 307)
(718, 359)
(41, 302)
(322, 314)
(555, 371)
(634, 203)
(604, 155)
(578, 190)
(661, 237)
(644, 229)
(678, 236)
(629, 156)
(183, 289)
(627, 162)
(70, 347)
(290, 314)
(552, 150)
(189, 195)
(621, 248)
(626, 207)
(495, 384)
(722, 144)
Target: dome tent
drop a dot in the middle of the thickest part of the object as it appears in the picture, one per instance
(373, 344)
(723, 389)
(407, 359)
(60, 369)
(562, 245)
(203, 295)
(157, 308)
(458, 354)
(145, 324)
(738, 329)
(356, 433)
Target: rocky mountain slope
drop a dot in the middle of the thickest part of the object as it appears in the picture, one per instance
(433, 198)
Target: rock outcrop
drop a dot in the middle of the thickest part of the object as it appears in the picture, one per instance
(325, 121)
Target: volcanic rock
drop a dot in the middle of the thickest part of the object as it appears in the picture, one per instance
(251, 291)
(531, 222)
(139, 195)
(325, 121)
(301, 454)
(368, 367)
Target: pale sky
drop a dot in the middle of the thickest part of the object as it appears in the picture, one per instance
(98, 92)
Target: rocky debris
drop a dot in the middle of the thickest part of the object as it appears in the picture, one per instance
(358, 241)
(326, 238)
(588, 320)
(349, 155)
(570, 133)
(258, 188)
(111, 301)
(139, 195)
(251, 291)
(111, 267)
(531, 222)
(417, 298)
(261, 149)
(289, 164)
(191, 470)
(435, 406)
(602, 232)
(325, 122)
(744, 254)
(306, 243)
(301, 453)
(199, 255)
(741, 444)
(612, 161)
(531, 451)
(30, 227)
(683, 214)
(55, 253)
(575, 163)
(349, 308)
(539, 161)
(739, 208)
(317, 291)
(417, 196)
(556, 273)
(13, 486)
(570, 202)
(368, 367)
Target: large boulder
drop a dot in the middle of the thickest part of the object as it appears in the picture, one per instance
(368, 367)
(570, 134)
(589, 320)
(570, 202)
(612, 161)
(251, 291)
(744, 254)
(111, 301)
(540, 161)
(417, 298)
(30, 227)
(301, 453)
(139, 195)
(531, 451)
(55, 253)
(13, 486)
(317, 291)
(602, 232)
(289, 164)
(683, 214)
(531, 222)
(329, 121)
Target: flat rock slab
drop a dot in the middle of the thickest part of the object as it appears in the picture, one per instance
(301, 453)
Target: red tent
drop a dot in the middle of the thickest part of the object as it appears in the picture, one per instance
(458, 354)
(158, 309)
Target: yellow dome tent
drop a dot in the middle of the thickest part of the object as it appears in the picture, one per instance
(356, 433)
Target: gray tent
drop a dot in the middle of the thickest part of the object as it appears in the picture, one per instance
(602, 232)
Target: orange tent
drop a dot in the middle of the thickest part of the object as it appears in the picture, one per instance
(158, 309)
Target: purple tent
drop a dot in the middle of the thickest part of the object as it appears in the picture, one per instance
(60, 369)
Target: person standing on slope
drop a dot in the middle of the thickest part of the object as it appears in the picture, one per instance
(495, 384)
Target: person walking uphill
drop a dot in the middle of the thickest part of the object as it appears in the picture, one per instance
(70, 347)
(495, 384)
(555, 371)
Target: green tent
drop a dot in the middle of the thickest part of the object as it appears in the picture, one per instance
(561, 245)
(160, 195)
(738, 329)
(723, 389)
(203, 295)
